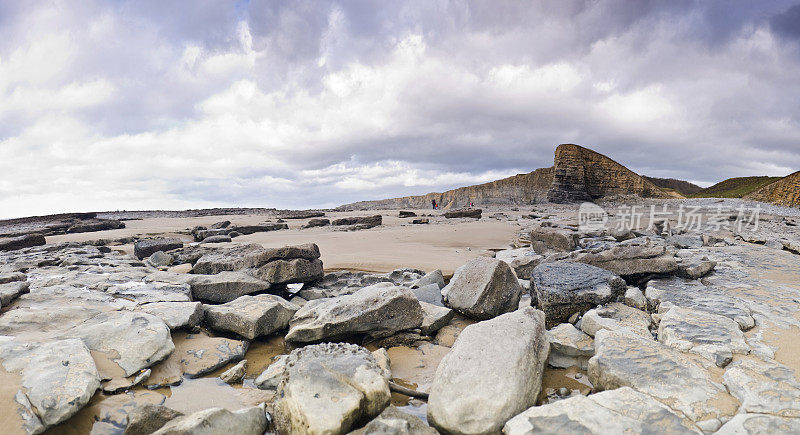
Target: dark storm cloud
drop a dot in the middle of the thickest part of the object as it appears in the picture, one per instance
(307, 103)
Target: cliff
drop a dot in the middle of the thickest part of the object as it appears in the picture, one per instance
(785, 191)
(581, 174)
(519, 189)
(685, 188)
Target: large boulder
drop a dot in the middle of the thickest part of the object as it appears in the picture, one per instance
(290, 271)
(257, 258)
(248, 421)
(56, 380)
(564, 288)
(327, 388)
(225, 286)
(709, 335)
(92, 225)
(569, 347)
(522, 260)
(20, 242)
(483, 288)
(148, 418)
(493, 372)
(360, 222)
(251, 316)
(378, 310)
(474, 213)
(555, 239)
(626, 359)
(145, 248)
(634, 257)
(623, 410)
(176, 315)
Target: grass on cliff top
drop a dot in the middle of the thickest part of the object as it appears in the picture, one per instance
(735, 187)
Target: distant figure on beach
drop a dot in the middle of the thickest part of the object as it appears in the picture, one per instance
(433, 204)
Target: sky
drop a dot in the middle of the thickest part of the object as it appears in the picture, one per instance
(154, 104)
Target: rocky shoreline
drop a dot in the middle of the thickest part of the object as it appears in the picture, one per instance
(565, 330)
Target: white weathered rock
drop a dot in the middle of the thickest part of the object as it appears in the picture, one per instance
(434, 277)
(710, 335)
(272, 375)
(225, 286)
(764, 388)
(623, 358)
(569, 347)
(614, 317)
(483, 288)
(235, 373)
(434, 318)
(11, 290)
(523, 260)
(251, 316)
(248, 421)
(501, 359)
(379, 310)
(742, 424)
(176, 315)
(430, 293)
(326, 388)
(635, 298)
(623, 410)
(58, 377)
(395, 422)
(666, 293)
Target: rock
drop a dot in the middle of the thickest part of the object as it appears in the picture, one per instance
(420, 221)
(159, 259)
(146, 419)
(431, 294)
(326, 388)
(235, 373)
(6, 278)
(272, 375)
(57, 378)
(569, 347)
(434, 277)
(225, 286)
(639, 256)
(685, 241)
(616, 316)
(176, 315)
(626, 359)
(556, 239)
(210, 354)
(290, 271)
(635, 298)
(759, 423)
(131, 340)
(564, 288)
(378, 311)
(201, 235)
(147, 292)
(219, 225)
(623, 410)
(250, 316)
(260, 228)
(393, 421)
(300, 214)
(217, 239)
(468, 213)
(710, 240)
(764, 388)
(251, 256)
(317, 223)
(145, 248)
(93, 225)
(20, 242)
(12, 290)
(434, 318)
(696, 270)
(663, 294)
(406, 214)
(361, 221)
(709, 335)
(502, 359)
(344, 283)
(248, 421)
(483, 288)
(522, 260)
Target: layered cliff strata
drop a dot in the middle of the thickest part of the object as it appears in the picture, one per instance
(785, 192)
(581, 174)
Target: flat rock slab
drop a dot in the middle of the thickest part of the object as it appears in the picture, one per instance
(563, 288)
(326, 388)
(12, 290)
(666, 293)
(483, 288)
(251, 256)
(58, 378)
(616, 316)
(176, 315)
(623, 410)
(248, 421)
(196, 355)
(764, 387)
(709, 335)
(502, 359)
(225, 286)
(394, 421)
(130, 340)
(378, 311)
(434, 318)
(145, 248)
(759, 423)
(251, 316)
(626, 359)
(147, 292)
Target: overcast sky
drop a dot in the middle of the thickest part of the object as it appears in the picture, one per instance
(109, 105)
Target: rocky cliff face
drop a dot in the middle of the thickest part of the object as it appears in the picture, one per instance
(519, 189)
(785, 192)
(581, 174)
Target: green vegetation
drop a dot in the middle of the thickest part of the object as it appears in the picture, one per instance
(684, 188)
(735, 187)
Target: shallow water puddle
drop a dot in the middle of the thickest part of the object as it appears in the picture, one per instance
(573, 378)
